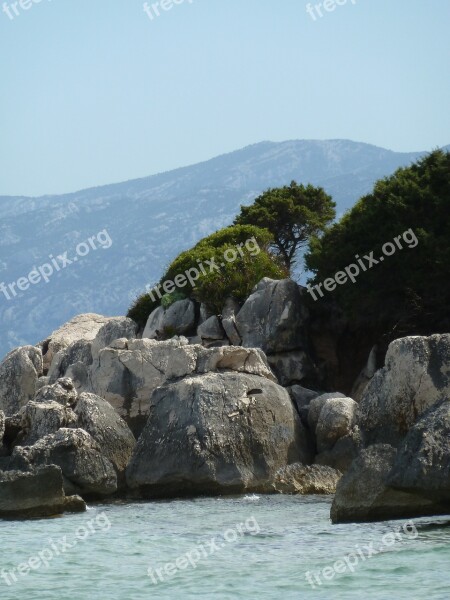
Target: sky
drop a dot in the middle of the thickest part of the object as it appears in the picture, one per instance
(100, 91)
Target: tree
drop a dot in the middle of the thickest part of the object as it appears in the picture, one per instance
(292, 214)
(408, 292)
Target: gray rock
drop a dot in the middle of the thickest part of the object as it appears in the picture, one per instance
(316, 405)
(302, 396)
(2, 426)
(33, 494)
(112, 434)
(343, 453)
(306, 479)
(115, 328)
(229, 312)
(365, 376)
(38, 419)
(73, 362)
(81, 328)
(179, 318)
(62, 391)
(362, 493)
(155, 324)
(416, 376)
(337, 419)
(291, 367)
(211, 331)
(127, 378)
(422, 465)
(19, 373)
(86, 471)
(273, 317)
(216, 433)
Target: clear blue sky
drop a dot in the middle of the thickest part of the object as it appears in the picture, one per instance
(94, 91)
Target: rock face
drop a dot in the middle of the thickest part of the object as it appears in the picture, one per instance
(179, 319)
(128, 377)
(406, 404)
(86, 471)
(273, 317)
(216, 433)
(362, 494)
(422, 465)
(301, 479)
(19, 373)
(34, 494)
(416, 376)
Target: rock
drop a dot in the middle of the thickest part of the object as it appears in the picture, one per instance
(216, 433)
(301, 396)
(112, 434)
(19, 373)
(2, 426)
(81, 328)
(62, 391)
(343, 453)
(316, 405)
(291, 367)
(114, 329)
(229, 312)
(155, 324)
(37, 493)
(362, 493)
(86, 471)
(211, 331)
(303, 479)
(365, 376)
(422, 465)
(336, 420)
(73, 362)
(39, 419)
(127, 378)
(416, 376)
(179, 318)
(273, 317)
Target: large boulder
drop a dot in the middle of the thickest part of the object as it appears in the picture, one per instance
(315, 407)
(216, 433)
(19, 373)
(363, 495)
(337, 419)
(415, 377)
(37, 493)
(422, 465)
(273, 317)
(38, 419)
(86, 471)
(306, 479)
(112, 434)
(179, 319)
(128, 376)
(211, 331)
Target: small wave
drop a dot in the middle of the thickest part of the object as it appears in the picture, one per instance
(252, 498)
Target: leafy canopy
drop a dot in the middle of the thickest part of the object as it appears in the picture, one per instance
(292, 214)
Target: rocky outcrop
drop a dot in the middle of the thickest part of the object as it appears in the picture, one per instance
(216, 433)
(128, 377)
(405, 404)
(273, 317)
(86, 471)
(422, 465)
(363, 495)
(416, 376)
(19, 373)
(37, 493)
(179, 319)
(306, 479)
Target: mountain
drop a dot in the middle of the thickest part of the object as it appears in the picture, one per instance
(150, 221)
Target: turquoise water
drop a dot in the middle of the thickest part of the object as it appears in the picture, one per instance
(246, 547)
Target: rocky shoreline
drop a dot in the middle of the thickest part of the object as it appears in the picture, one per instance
(101, 410)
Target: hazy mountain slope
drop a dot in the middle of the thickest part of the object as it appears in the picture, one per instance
(150, 220)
